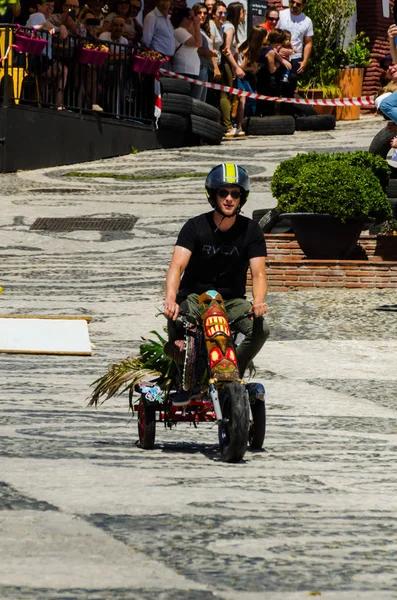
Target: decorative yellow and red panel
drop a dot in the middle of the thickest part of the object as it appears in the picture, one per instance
(218, 337)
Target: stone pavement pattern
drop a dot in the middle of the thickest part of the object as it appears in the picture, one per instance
(86, 514)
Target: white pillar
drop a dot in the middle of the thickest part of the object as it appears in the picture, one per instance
(386, 8)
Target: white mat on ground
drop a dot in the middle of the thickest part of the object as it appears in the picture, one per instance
(23, 334)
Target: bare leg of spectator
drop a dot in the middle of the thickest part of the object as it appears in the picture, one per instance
(61, 74)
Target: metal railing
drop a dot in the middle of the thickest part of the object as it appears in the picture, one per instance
(61, 78)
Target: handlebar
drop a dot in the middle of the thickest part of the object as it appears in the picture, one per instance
(193, 321)
(189, 318)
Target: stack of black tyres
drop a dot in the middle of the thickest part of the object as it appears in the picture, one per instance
(307, 119)
(277, 125)
(184, 120)
(294, 117)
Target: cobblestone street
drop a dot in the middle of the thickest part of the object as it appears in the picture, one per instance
(85, 514)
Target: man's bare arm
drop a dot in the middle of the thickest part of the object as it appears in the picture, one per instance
(259, 285)
(307, 50)
(179, 262)
(392, 34)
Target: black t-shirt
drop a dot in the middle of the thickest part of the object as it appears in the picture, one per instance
(220, 259)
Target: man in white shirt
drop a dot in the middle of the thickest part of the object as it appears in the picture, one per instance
(115, 35)
(301, 29)
(158, 33)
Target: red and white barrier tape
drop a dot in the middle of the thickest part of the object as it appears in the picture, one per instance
(361, 101)
(3, 58)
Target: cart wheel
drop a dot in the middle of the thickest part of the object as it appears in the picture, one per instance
(257, 430)
(233, 430)
(146, 425)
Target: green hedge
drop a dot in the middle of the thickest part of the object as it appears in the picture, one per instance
(341, 184)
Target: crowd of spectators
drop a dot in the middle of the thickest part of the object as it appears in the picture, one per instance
(206, 42)
(209, 42)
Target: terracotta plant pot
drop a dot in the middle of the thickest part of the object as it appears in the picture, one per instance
(350, 82)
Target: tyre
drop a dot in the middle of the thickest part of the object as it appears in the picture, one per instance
(202, 109)
(270, 221)
(174, 122)
(177, 104)
(234, 428)
(257, 430)
(209, 131)
(315, 123)
(270, 125)
(146, 424)
(174, 86)
(259, 213)
(266, 217)
(381, 145)
(381, 142)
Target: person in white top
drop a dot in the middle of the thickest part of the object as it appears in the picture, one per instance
(114, 35)
(206, 52)
(229, 65)
(187, 35)
(52, 72)
(301, 27)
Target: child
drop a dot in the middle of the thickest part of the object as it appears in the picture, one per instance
(268, 78)
(286, 51)
(249, 52)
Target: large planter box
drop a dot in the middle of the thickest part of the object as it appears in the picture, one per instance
(351, 83)
(288, 269)
(324, 236)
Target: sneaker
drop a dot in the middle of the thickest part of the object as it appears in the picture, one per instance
(240, 133)
(394, 155)
(97, 108)
(181, 398)
(230, 133)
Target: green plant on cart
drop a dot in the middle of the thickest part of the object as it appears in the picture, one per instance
(152, 364)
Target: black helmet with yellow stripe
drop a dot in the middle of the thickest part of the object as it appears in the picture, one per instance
(227, 174)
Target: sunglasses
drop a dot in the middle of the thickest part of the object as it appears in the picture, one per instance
(222, 14)
(202, 12)
(235, 194)
(298, 4)
(275, 19)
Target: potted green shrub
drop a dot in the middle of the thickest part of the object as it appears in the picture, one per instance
(329, 197)
(353, 60)
(330, 24)
(334, 59)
